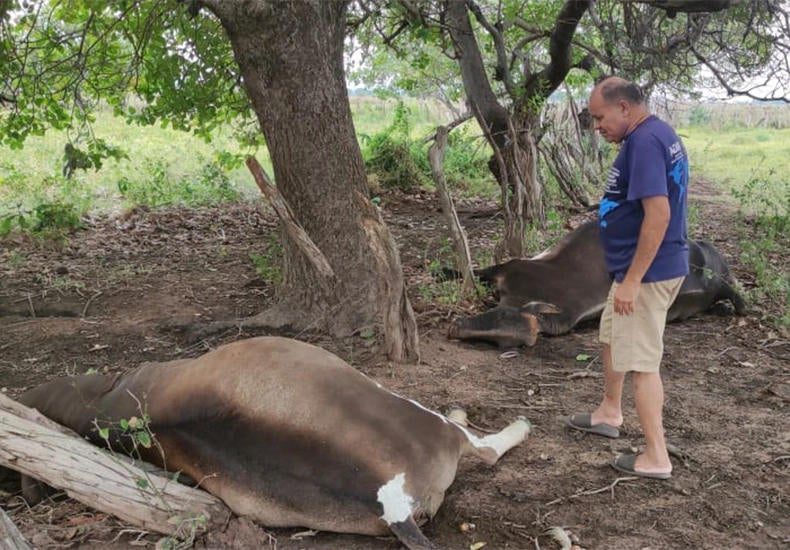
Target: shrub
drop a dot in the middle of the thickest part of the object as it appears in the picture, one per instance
(210, 185)
(391, 155)
(46, 218)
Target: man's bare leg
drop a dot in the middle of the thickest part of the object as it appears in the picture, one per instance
(610, 411)
(649, 400)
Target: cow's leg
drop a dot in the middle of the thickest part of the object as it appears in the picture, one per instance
(458, 415)
(34, 491)
(505, 326)
(491, 447)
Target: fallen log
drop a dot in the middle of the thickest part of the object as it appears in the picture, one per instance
(10, 537)
(38, 447)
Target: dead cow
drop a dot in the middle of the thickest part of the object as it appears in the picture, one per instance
(568, 284)
(286, 433)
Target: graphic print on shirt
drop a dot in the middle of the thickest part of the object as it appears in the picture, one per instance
(607, 204)
(679, 174)
(651, 162)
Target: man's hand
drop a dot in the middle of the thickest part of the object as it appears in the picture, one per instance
(625, 297)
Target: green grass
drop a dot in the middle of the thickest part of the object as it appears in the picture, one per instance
(752, 165)
(166, 166)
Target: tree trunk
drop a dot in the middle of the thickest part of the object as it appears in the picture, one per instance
(291, 59)
(37, 447)
(514, 161)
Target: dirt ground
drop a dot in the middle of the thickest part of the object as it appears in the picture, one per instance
(109, 299)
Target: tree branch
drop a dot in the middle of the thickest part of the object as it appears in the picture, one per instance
(731, 91)
(295, 231)
(546, 81)
(502, 68)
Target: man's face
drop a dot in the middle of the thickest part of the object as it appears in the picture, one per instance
(611, 119)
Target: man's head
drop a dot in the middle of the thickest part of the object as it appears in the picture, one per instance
(616, 106)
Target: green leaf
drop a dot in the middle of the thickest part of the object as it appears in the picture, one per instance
(582, 357)
(142, 483)
(104, 433)
(144, 439)
(124, 424)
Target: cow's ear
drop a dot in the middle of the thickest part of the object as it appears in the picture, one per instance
(541, 307)
(533, 328)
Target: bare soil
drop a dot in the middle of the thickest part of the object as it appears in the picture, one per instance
(115, 293)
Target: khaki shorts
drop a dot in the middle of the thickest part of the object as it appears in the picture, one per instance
(637, 340)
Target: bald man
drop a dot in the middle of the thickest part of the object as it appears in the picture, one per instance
(643, 231)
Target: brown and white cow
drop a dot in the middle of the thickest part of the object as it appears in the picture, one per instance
(288, 434)
(568, 284)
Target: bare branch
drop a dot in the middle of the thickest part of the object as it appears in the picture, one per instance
(502, 67)
(732, 91)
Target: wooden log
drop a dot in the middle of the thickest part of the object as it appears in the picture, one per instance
(463, 257)
(37, 447)
(292, 228)
(10, 537)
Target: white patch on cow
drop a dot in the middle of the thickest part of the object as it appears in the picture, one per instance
(396, 502)
(502, 441)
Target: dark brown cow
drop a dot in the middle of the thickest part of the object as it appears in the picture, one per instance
(288, 434)
(568, 284)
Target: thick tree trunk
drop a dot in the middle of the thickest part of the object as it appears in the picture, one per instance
(37, 447)
(291, 58)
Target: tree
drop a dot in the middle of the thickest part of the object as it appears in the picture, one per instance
(511, 55)
(217, 62)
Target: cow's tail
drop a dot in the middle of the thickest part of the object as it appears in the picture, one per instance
(410, 535)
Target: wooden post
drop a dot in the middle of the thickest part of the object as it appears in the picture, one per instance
(295, 231)
(37, 447)
(462, 256)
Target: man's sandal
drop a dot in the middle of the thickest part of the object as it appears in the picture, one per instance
(625, 464)
(583, 422)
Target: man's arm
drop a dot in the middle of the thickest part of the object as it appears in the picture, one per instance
(651, 235)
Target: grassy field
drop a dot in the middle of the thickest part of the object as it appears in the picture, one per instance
(167, 166)
(750, 164)
(156, 152)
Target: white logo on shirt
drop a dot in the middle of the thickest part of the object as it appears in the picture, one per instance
(611, 181)
(676, 151)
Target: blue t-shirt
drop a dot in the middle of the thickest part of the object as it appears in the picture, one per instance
(652, 161)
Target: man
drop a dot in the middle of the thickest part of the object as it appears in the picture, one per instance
(643, 232)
